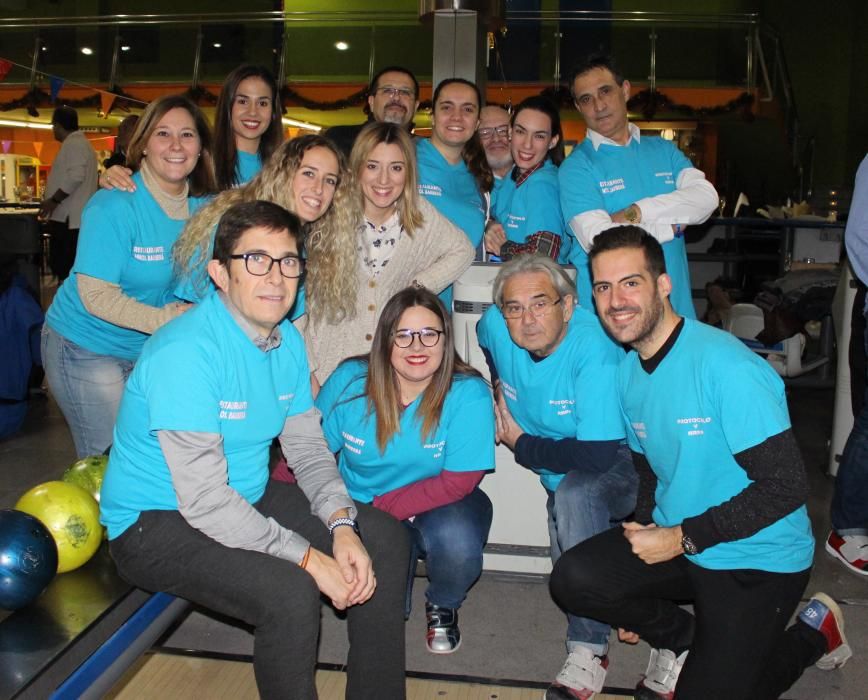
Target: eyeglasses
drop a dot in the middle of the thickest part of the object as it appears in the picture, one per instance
(406, 93)
(487, 132)
(260, 264)
(537, 309)
(429, 337)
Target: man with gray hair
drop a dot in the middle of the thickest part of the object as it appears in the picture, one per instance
(554, 370)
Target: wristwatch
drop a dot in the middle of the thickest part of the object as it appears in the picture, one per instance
(348, 522)
(632, 214)
(688, 546)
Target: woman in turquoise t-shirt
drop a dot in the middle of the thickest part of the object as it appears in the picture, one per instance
(247, 130)
(120, 288)
(414, 427)
(526, 207)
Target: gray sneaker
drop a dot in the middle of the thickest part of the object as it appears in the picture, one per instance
(581, 677)
(444, 637)
(661, 676)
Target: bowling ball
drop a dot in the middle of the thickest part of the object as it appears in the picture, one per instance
(72, 516)
(87, 473)
(28, 559)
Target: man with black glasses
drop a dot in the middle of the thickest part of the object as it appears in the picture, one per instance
(393, 97)
(187, 500)
(554, 371)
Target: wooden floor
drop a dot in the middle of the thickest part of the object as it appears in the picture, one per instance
(170, 677)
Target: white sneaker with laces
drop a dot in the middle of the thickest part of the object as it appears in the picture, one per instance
(662, 673)
(583, 674)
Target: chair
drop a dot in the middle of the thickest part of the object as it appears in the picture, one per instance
(746, 322)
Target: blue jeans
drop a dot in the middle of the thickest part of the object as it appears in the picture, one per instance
(87, 387)
(450, 539)
(850, 499)
(584, 505)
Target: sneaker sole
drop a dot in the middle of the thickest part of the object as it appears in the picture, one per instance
(840, 656)
(446, 651)
(840, 557)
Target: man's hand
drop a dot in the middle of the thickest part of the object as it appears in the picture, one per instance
(508, 431)
(46, 208)
(495, 237)
(628, 215)
(117, 177)
(627, 637)
(355, 564)
(329, 578)
(654, 544)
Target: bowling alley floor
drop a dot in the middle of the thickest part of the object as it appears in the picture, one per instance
(513, 633)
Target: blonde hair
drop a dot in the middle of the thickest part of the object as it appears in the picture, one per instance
(368, 139)
(330, 280)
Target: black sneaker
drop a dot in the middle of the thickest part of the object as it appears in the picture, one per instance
(444, 637)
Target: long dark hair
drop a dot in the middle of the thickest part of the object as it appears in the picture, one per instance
(225, 150)
(473, 153)
(547, 107)
(381, 387)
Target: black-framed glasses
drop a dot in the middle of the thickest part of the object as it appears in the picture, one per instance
(538, 308)
(429, 337)
(489, 131)
(406, 93)
(260, 264)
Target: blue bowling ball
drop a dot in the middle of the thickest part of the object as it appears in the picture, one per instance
(28, 559)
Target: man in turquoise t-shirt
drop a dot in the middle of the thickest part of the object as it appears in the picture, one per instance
(187, 500)
(720, 518)
(616, 176)
(555, 368)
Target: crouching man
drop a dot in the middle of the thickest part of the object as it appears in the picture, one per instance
(720, 518)
(557, 409)
(187, 500)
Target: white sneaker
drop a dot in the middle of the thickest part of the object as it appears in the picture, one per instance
(582, 675)
(662, 673)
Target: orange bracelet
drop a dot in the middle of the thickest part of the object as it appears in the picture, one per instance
(303, 563)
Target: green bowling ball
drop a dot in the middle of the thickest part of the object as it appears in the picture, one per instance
(87, 473)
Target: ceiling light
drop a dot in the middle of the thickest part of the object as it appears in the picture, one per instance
(28, 125)
(86, 50)
(301, 125)
(217, 45)
(125, 48)
(342, 46)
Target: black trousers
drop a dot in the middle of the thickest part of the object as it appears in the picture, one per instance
(739, 648)
(64, 241)
(161, 552)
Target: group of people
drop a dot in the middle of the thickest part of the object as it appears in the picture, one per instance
(302, 291)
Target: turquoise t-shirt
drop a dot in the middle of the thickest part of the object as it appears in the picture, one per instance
(709, 399)
(126, 239)
(463, 441)
(569, 394)
(612, 178)
(247, 167)
(531, 207)
(453, 192)
(201, 373)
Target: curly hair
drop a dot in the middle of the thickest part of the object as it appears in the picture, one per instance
(330, 280)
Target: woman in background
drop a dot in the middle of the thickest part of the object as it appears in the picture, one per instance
(527, 208)
(247, 130)
(454, 174)
(121, 282)
(414, 427)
